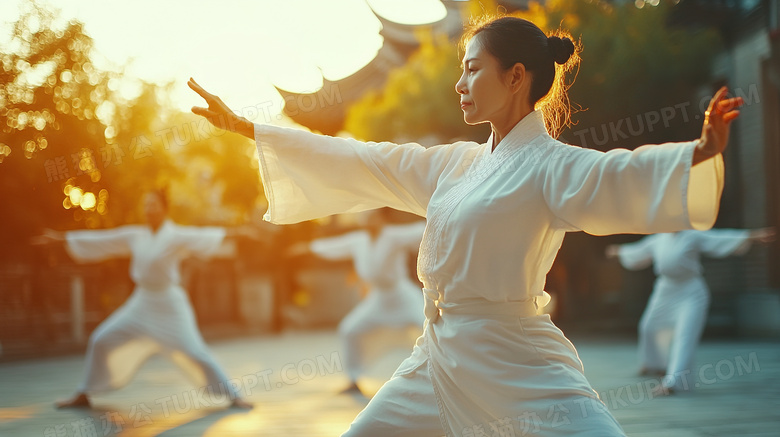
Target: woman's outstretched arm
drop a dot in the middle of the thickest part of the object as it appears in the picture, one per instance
(306, 176)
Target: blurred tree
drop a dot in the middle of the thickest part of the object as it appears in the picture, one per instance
(79, 146)
(639, 75)
(50, 101)
(218, 178)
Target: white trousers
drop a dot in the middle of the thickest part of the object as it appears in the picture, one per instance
(398, 308)
(149, 322)
(671, 327)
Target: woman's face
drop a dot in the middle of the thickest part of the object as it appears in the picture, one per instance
(484, 92)
(154, 209)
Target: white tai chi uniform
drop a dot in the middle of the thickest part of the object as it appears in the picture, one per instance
(486, 363)
(393, 299)
(680, 298)
(157, 317)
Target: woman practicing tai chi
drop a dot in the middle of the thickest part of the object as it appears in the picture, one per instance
(379, 253)
(496, 216)
(158, 316)
(680, 297)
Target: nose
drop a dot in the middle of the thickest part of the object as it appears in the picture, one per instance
(460, 85)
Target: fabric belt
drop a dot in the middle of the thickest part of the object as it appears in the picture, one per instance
(156, 288)
(433, 309)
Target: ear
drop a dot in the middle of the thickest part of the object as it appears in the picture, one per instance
(516, 76)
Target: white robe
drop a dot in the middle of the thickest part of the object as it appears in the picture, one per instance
(677, 309)
(495, 221)
(157, 317)
(393, 299)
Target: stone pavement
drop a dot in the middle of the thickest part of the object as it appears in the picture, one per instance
(293, 380)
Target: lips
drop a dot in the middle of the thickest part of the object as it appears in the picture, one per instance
(464, 105)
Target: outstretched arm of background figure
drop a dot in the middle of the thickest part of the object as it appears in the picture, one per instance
(92, 245)
(612, 251)
(720, 243)
(715, 131)
(407, 236)
(633, 256)
(219, 114)
(298, 249)
(338, 248)
(49, 236)
(763, 235)
(243, 231)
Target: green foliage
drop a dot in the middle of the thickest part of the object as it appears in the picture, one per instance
(633, 64)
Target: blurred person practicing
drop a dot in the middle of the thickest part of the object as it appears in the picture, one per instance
(680, 299)
(379, 253)
(497, 213)
(157, 317)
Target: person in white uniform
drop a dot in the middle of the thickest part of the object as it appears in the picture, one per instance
(379, 253)
(680, 297)
(157, 317)
(496, 216)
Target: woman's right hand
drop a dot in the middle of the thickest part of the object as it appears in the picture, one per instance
(219, 114)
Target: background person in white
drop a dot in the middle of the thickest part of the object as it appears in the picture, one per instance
(379, 253)
(157, 317)
(496, 216)
(680, 297)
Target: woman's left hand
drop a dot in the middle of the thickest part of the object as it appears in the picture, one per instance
(715, 132)
(219, 114)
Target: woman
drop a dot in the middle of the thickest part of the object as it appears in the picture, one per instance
(680, 297)
(379, 253)
(496, 216)
(157, 317)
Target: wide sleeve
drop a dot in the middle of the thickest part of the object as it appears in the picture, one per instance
(337, 248)
(98, 245)
(652, 189)
(720, 243)
(307, 176)
(637, 255)
(201, 241)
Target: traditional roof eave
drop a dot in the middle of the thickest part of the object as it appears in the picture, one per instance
(325, 110)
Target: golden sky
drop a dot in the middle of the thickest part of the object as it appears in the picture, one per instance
(235, 48)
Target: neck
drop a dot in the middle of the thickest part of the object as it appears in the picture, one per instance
(374, 232)
(156, 225)
(501, 128)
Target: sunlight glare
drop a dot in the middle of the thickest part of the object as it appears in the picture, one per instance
(238, 49)
(409, 11)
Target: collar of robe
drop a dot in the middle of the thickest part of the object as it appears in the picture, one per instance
(163, 226)
(530, 127)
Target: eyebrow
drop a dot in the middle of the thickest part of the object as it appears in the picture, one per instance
(466, 61)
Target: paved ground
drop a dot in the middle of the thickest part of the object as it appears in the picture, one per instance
(293, 380)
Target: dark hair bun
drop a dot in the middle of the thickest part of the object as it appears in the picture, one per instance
(561, 49)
